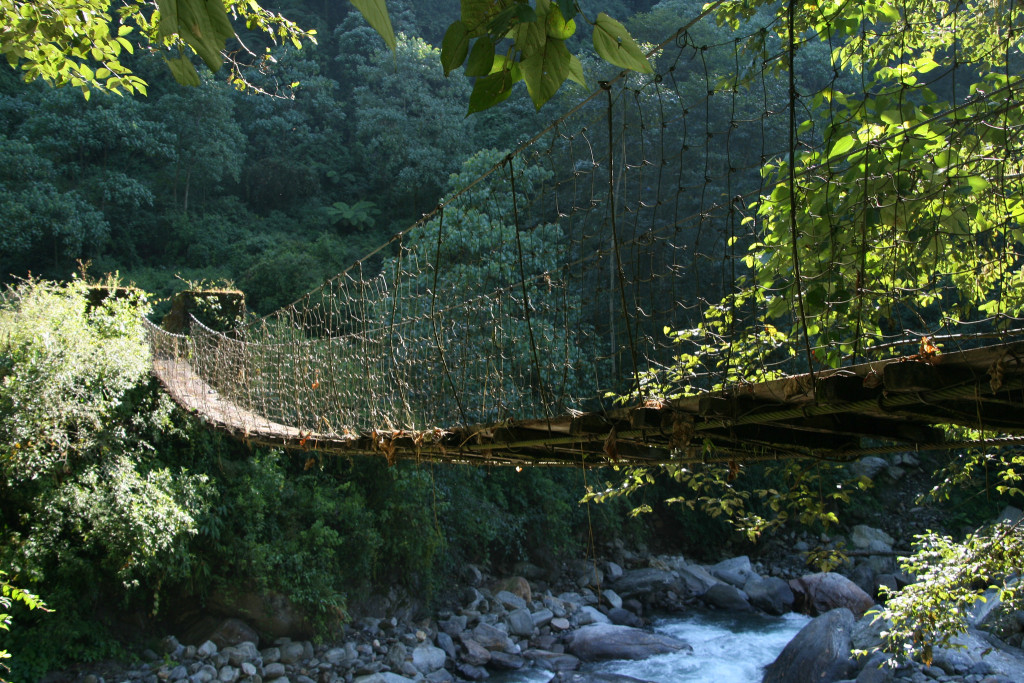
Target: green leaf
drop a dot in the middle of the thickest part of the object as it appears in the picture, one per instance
(376, 14)
(842, 146)
(490, 90)
(454, 47)
(614, 44)
(557, 26)
(481, 58)
(545, 71)
(183, 71)
(576, 71)
(567, 8)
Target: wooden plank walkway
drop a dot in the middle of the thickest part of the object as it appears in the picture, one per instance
(897, 401)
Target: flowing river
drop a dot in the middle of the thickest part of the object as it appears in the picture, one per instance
(727, 648)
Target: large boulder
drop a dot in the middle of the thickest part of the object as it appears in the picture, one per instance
(608, 641)
(770, 594)
(820, 652)
(736, 571)
(726, 597)
(819, 593)
(697, 579)
(643, 582)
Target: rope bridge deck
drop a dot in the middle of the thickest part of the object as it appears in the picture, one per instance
(678, 267)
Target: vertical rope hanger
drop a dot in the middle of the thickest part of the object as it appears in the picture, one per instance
(433, 318)
(791, 50)
(615, 234)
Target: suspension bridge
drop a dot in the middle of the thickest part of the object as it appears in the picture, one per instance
(701, 264)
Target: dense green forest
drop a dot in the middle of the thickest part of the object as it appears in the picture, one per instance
(116, 507)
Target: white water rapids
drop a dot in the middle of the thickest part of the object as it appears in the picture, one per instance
(727, 648)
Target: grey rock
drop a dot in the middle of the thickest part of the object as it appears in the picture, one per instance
(520, 622)
(476, 654)
(279, 679)
(865, 537)
(242, 652)
(607, 641)
(895, 472)
(273, 670)
(455, 625)
(728, 597)
(591, 575)
(612, 598)
(169, 645)
(770, 594)
(868, 467)
(590, 615)
(207, 649)
(867, 632)
(816, 594)
(819, 652)
(736, 571)
(473, 673)
(542, 617)
(271, 654)
(643, 582)
(440, 676)
(382, 677)
(612, 571)
(228, 674)
(552, 661)
(248, 669)
(427, 658)
(177, 673)
(696, 579)
(472, 575)
(623, 617)
(396, 655)
(1010, 515)
(560, 624)
(205, 674)
(510, 601)
(557, 607)
(491, 637)
(445, 642)
(292, 652)
(876, 670)
(505, 660)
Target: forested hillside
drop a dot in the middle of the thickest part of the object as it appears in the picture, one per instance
(835, 190)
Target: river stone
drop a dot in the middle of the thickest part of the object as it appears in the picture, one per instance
(505, 660)
(520, 622)
(727, 597)
(612, 571)
(696, 579)
(736, 571)
(292, 652)
(591, 615)
(207, 649)
(816, 594)
(228, 674)
(557, 607)
(273, 670)
(177, 673)
(623, 617)
(248, 669)
(770, 594)
(590, 575)
(382, 677)
(612, 598)
(455, 625)
(243, 652)
(510, 600)
(542, 617)
(476, 654)
(870, 538)
(642, 582)
(472, 673)
(491, 637)
(607, 641)
(552, 661)
(427, 658)
(271, 654)
(440, 676)
(819, 652)
(472, 575)
(560, 624)
(868, 466)
(445, 642)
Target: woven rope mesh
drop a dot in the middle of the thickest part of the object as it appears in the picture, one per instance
(611, 255)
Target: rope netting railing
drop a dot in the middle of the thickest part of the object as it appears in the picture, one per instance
(788, 195)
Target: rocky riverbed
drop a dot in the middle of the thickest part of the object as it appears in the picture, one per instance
(593, 611)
